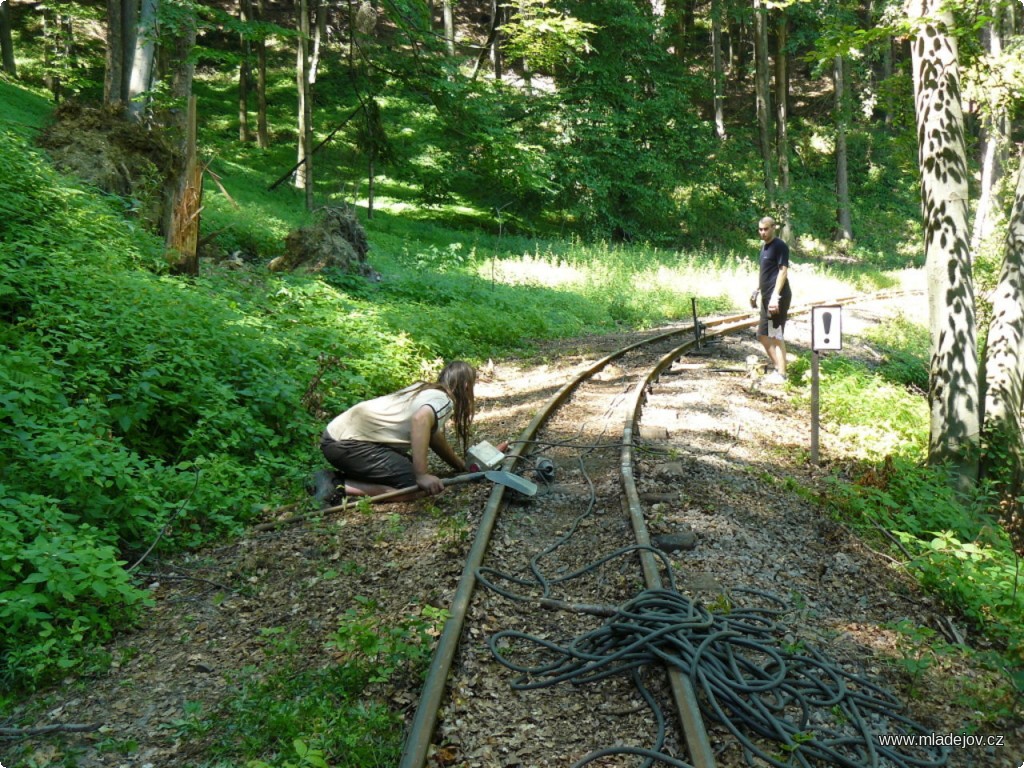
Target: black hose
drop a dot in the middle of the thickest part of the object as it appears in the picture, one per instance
(785, 708)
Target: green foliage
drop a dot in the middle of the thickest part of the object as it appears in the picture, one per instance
(906, 347)
(955, 547)
(873, 417)
(993, 691)
(629, 126)
(951, 542)
(130, 400)
(22, 111)
(365, 638)
(290, 714)
(73, 63)
(133, 401)
(62, 588)
(544, 36)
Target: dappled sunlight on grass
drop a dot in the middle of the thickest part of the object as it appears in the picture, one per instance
(534, 270)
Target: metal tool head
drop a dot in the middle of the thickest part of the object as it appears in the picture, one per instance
(515, 482)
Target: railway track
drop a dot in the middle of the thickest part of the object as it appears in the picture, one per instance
(719, 464)
(544, 571)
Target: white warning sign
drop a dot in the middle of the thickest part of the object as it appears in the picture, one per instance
(826, 328)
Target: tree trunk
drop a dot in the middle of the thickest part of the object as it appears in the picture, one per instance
(527, 71)
(763, 95)
(262, 133)
(1004, 354)
(984, 222)
(736, 56)
(719, 70)
(498, 13)
(304, 173)
(141, 81)
(183, 235)
(130, 27)
(676, 27)
(114, 74)
(1004, 377)
(59, 49)
(371, 173)
(782, 120)
(993, 139)
(7, 41)
(319, 10)
(844, 221)
(886, 74)
(954, 389)
(244, 72)
(122, 34)
(449, 26)
(182, 206)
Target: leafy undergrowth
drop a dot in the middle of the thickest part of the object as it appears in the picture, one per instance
(950, 541)
(288, 715)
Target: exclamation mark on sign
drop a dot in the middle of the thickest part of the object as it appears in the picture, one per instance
(826, 321)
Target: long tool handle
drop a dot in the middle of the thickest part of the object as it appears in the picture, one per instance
(468, 477)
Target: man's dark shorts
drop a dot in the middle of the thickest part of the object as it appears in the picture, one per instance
(774, 326)
(370, 462)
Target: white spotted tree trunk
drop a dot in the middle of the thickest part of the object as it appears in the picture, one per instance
(1004, 378)
(954, 388)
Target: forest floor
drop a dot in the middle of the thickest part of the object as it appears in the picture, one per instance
(234, 606)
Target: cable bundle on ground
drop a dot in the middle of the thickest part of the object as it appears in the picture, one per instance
(786, 706)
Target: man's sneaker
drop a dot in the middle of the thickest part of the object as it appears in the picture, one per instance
(325, 485)
(774, 378)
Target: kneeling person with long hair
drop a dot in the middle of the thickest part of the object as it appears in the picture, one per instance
(381, 445)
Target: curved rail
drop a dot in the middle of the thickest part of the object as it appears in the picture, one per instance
(425, 719)
(701, 754)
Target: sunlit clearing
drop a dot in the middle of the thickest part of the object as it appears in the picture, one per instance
(533, 270)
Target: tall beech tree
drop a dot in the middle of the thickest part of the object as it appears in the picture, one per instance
(782, 119)
(1004, 377)
(718, 68)
(763, 95)
(245, 14)
(7, 41)
(844, 218)
(993, 84)
(954, 393)
(140, 79)
(132, 32)
(183, 188)
(304, 171)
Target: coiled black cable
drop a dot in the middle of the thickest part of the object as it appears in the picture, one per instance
(785, 707)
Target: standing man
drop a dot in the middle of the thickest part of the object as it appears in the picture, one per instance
(776, 295)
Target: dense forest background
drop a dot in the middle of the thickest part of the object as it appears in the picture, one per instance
(494, 174)
(671, 123)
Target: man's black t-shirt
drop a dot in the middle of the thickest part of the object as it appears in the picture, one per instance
(774, 254)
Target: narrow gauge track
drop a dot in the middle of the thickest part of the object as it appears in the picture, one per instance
(552, 566)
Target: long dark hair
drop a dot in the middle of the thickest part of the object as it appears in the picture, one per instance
(458, 379)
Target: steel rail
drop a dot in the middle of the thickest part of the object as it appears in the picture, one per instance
(690, 718)
(424, 722)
